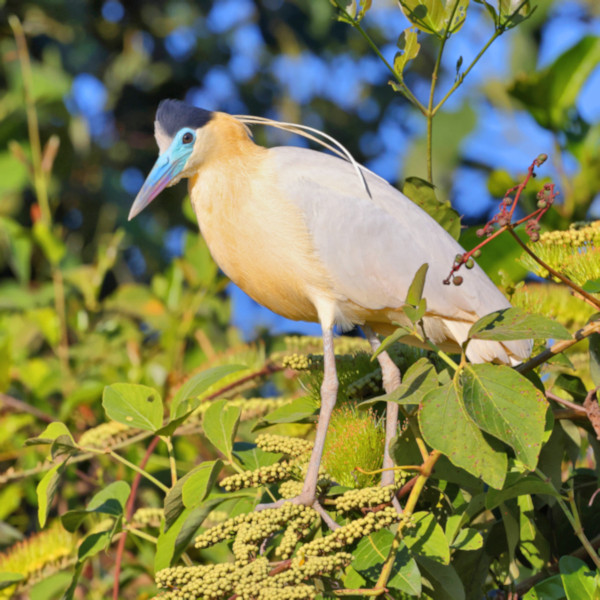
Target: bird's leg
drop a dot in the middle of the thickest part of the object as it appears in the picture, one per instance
(329, 389)
(391, 380)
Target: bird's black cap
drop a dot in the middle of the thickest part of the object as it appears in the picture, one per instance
(174, 115)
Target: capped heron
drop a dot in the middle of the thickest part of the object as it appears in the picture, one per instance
(315, 237)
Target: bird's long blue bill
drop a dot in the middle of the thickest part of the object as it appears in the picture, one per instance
(166, 168)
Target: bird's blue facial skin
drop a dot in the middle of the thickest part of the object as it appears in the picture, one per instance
(169, 164)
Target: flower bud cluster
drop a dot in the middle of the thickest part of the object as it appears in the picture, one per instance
(367, 386)
(262, 524)
(105, 434)
(189, 583)
(352, 532)
(297, 592)
(575, 237)
(290, 488)
(365, 497)
(297, 362)
(148, 516)
(293, 447)
(258, 477)
(297, 529)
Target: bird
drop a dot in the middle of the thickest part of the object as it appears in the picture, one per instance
(315, 237)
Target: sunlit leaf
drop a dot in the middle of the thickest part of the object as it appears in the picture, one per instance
(550, 94)
(422, 193)
(427, 538)
(516, 324)
(199, 483)
(134, 405)
(579, 581)
(419, 379)
(300, 410)
(186, 399)
(46, 490)
(508, 406)
(220, 424)
(448, 427)
(409, 49)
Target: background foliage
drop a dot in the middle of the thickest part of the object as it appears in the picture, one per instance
(88, 301)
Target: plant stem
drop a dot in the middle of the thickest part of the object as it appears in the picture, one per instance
(458, 82)
(142, 534)
(573, 518)
(39, 180)
(40, 176)
(542, 357)
(404, 88)
(434, 77)
(128, 515)
(132, 466)
(169, 443)
(594, 301)
(411, 503)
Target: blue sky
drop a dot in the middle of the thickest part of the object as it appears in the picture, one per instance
(503, 140)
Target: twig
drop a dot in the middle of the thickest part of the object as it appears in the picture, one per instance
(129, 514)
(561, 346)
(434, 78)
(21, 406)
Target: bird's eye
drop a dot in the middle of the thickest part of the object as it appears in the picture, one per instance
(187, 138)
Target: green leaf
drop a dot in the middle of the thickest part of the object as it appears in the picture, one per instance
(513, 12)
(519, 485)
(370, 554)
(550, 94)
(448, 427)
(468, 539)
(20, 246)
(186, 399)
(52, 432)
(443, 581)
(409, 49)
(220, 424)
(109, 501)
(198, 484)
(300, 410)
(251, 457)
(94, 543)
(419, 379)
(46, 490)
(422, 193)
(549, 589)
(579, 581)
(427, 538)
(532, 543)
(491, 10)
(516, 324)
(400, 332)
(508, 406)
(176, 539)
(53, 247)
(7, 579)
(417, 285)
(433, 16)
(573, 385)
(134, 405)
(592, 286)
(594, 350)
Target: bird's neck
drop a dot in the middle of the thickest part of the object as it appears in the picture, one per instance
(227, 140)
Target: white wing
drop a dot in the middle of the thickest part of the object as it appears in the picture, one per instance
(373, 246)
